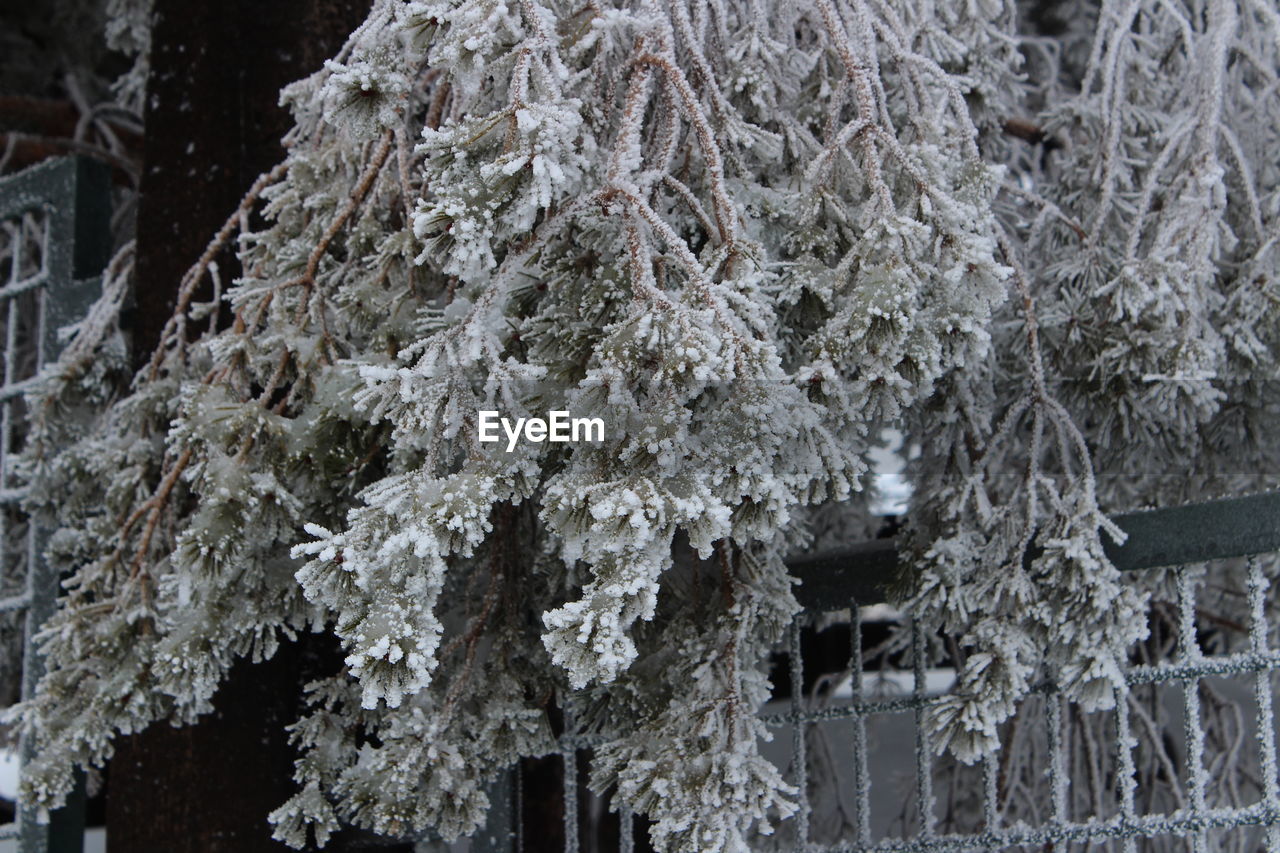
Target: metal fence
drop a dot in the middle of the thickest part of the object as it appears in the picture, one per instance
(1185, 761)
(54, 242)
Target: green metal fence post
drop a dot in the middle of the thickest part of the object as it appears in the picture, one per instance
(74, 196)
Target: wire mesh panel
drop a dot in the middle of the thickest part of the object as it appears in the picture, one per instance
(1186, 759)
(24, 271)
(54, 238)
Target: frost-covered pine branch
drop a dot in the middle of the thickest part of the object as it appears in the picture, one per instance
(747, 235)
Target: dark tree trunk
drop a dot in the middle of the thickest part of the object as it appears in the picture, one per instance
(213, 125)
(209, 787)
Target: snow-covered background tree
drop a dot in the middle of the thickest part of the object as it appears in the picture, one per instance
(1038, 240)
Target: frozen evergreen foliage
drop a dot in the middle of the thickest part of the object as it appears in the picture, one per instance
(129, 31)
(750, 235)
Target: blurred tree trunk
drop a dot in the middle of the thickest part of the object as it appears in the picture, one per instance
(213, 125)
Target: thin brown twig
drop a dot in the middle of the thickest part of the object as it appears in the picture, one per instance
(154, 507)
(722, 207)
(191, 279)
(472, 641)
(307, 279)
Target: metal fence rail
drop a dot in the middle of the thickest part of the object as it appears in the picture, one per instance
(56, 231)
(1195, 533)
